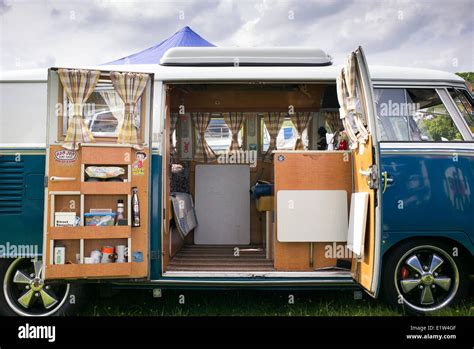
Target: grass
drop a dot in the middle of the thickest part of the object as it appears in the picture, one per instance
(250, 303)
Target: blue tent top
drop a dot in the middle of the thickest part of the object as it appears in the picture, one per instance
(185, 37)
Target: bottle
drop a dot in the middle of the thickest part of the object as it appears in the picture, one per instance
(135, 208)
(120, 210)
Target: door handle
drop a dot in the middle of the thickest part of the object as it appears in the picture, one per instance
(387, 181)
(62, 179)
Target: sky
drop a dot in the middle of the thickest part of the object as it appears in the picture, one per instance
(437, 34)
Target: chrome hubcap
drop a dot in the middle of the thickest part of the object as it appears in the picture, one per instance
(427, 278)
(26, 291)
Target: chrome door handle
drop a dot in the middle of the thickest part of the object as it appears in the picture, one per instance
(387, 181)
(61, 179)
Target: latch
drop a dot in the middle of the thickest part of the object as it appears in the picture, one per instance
(372, 176)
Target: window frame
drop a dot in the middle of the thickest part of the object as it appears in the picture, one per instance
(62, 99)
(454, 113)
(468, 96)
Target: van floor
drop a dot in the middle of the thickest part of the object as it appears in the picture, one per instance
(220, 258)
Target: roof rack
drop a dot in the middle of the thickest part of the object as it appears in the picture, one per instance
(235, 56)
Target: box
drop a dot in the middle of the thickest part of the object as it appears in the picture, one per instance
(64, 219)
(60, 255)
(99, 219)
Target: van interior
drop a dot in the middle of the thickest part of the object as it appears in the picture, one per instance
(258, 179)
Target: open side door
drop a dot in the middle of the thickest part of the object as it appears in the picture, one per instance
(98, 152)
(355, 94)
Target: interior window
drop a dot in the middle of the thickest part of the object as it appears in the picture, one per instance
(413, 115)
(286, 139)
(103, 113)
(464, 104)
(218, 135)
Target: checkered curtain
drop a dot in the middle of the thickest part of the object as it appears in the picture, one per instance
(78, 85)
(234, 122)
(130, 87)
(348, 101)
(301, 121)
(273, 122)
(203, 153)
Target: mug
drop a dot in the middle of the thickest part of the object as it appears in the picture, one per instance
(121, 253)
(108, 255)
(96, 255)
(88, 260)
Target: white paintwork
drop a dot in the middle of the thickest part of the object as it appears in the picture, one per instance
(311, 215)
(250, 55)
(266, 73)
(222, 205)
(260, 274)
(357, 223)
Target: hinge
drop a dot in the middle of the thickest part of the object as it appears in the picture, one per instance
(154, 255)
(46, 180)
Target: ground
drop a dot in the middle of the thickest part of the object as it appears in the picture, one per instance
(250, 303)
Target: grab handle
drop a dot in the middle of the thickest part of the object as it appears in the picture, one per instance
(61, 179)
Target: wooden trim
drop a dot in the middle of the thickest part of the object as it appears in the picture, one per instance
(106, 188)
(89, 232)
(85, 271)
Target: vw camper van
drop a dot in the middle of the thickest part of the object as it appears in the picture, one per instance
(231, 167)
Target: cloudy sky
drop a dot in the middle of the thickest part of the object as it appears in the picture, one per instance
(435, 34)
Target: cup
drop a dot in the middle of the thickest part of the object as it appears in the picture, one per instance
(122, 253)
(96, 255)
(88, 260)
(107, 254)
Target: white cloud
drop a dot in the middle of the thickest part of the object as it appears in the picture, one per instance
(422, 33)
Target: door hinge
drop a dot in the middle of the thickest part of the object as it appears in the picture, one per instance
(46, 180)
(372, 176)
(154, 255)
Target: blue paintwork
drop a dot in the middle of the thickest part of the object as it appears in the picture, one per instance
(426, 183)
(22, 198)
(436, 191)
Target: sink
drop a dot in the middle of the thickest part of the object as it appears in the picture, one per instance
(264, 203)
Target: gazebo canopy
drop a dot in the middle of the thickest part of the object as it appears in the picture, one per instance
(185, 37)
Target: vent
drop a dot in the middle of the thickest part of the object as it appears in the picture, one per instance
(11, 187)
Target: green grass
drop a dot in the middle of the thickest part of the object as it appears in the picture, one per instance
(249, 303)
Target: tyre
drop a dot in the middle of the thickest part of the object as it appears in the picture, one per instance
(25, 293)
(423, 276)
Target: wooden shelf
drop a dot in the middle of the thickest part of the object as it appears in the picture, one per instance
(106, 155)
(106, 188)
(84, 271)
(89, 232)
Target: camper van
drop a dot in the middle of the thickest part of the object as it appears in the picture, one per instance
(232, 167)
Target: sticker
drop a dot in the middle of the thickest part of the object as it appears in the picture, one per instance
(137, 166)
(65, 156)
(281, 158)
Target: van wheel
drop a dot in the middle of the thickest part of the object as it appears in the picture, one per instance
(24, 292)
(422, 276)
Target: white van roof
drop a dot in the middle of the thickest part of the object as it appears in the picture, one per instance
(253, 56)
(255, 64)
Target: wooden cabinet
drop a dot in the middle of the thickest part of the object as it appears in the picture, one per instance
(69, 191)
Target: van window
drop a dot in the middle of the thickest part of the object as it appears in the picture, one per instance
(286, 138)
(413, 114)
(218, 135)
(464, 104)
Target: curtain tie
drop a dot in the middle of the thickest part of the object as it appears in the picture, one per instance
(77, 109)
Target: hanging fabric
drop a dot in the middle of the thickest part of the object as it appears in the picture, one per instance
(273, 122)
(78, 86)
(115, 104)
(204, 153)
(234, 122)
(349, 103)
(130, 87)
(333, 120)
(301, 122)
(173, 122)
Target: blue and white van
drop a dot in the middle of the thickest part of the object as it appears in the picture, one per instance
(310, 176)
